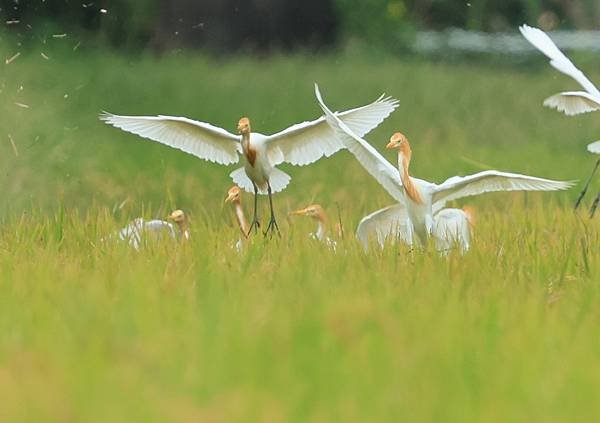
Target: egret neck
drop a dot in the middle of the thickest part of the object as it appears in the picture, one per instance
(404, 155)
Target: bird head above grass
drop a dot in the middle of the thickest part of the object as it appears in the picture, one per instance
(397, 140)
(177, 216)
(234, 195)
(244, 126)
(314, 210)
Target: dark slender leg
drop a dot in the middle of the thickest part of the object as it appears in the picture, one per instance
(594, 205)
(587, 184)
(272, 223)
(255, 223)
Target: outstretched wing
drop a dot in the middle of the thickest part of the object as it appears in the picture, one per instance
(199, 139)
(573, 102)
(391, 221)
(540, 40)
(491, 181)
(307, 142)
(373, 162)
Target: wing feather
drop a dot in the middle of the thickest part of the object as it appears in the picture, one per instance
(373, 162)
(573, 102)
(492, 181)
(199, 139)
(391, 221)
(307, 142)
(540, 40)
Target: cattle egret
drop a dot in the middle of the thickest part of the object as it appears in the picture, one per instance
(300, 144)
(570, 102)
(234, 196)
(139, 229)
(450, 227)
(317, 212)
(419, 199)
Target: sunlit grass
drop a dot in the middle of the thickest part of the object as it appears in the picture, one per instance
(288, 330)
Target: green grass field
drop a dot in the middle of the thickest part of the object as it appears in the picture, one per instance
(288, 331)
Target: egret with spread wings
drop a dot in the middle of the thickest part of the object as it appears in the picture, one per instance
(300, 144)
(418, 200)
(570, 102)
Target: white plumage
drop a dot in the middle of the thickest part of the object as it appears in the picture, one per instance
(419, 200)
(569, 102)
(594, 147)
(300, 144)
(140, 230)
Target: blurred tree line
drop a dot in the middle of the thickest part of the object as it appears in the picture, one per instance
(231, 25)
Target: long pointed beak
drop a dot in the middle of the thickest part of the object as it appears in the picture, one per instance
(390, 145)
(300, 212)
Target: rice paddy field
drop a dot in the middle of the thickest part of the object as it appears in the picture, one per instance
(289, 330)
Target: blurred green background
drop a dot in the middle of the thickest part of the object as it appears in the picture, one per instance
(226, 26)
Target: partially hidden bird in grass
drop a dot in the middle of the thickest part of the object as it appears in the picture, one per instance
(300, 144)
(234, 197)
(141, 230)
(316, 212)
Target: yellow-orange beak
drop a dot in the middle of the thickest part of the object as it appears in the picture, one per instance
(300, 212)
(229, 198)
(391, 144)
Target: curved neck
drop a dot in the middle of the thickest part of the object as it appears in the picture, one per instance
(404, 155)
(241, 218)
(246, 142)
(184, 229)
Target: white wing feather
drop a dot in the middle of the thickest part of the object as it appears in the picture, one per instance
(307, 142)
(200, 139)
(540, 40)
(373, 162)
(594, 147)
(391, 221)
(573, 102)
(491, 181)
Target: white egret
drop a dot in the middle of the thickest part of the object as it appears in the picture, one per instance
(234, 196)
(139, 229)
(450, 227)
(317, 212)
(300, 144)
(569, 102)
(419, 199)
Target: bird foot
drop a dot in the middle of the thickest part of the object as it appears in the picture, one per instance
(255, 225)
(272, 227)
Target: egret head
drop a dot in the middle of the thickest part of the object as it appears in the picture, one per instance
(234, 194)
(398, 140)
(178, 216)
(314, 210)
(244, 126)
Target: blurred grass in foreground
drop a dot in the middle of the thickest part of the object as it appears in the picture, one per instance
(288, 330)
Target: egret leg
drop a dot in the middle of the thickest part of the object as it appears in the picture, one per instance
(272, 223)
(255, 223)
(587, 184)
(594, 205)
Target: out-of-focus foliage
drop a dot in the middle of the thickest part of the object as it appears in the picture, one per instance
(232, 25)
